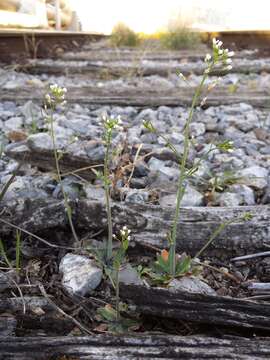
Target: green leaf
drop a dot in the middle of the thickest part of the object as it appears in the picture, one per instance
(183, 266)
(107, 313)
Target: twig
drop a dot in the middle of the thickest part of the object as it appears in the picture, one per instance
(36, 236)
(230, 276)
(81, 169)
(134, 164)
(8, 183)
(251, 256)
(21, 294)
(62, 312)
(256, 297)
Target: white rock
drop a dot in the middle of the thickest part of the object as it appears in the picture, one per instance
(80, 274)
(192, 285)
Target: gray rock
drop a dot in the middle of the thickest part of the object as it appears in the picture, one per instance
(137, 196)
(95, 150)
(129, 276)
(31, 112)
(254, 176)
(165, 115)
(14, 123)
(80, 274)
(192, 197)
(141, 169)
(192, 285)
(94, 192)
(159, 166)
(248, 123)
(4, 281)
(197, 129)
(71, 187)
(246, 193)
(8, 325)
(211, 124)
(147, 114)
(176, 138)
(40, 141)
(149, 138)
(229, 199)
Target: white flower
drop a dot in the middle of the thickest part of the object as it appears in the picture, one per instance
(214, 41)
(124, 228)
(128, 238)
(48, 98)
(220, 52)
(120, 122)
(207, 58)
(219, 43)
(228, 61)
(230, 53)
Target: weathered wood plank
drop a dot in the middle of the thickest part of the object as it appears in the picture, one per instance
(142, 97)
(142, 68)
(126, 54)
(100, 347)
(150, 224)
(199, 308)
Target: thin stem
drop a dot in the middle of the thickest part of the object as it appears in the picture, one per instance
(59, 178)
(220, 228)
(18, 250)
(108, 245)
(117, 294)
(182, 165)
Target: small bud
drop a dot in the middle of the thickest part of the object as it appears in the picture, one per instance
(207, 58)
(228, 68)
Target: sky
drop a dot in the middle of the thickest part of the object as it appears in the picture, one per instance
(151, 15)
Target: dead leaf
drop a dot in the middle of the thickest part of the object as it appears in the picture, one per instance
(165, 255)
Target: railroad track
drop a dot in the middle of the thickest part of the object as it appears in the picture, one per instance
(17, 44)
(22, 44)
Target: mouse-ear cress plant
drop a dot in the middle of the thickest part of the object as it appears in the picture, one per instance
(220, 59)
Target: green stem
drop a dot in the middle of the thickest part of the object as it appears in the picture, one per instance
(108, 244)
(220, 228)
(182, 177)
(117, 295)
(59, 179)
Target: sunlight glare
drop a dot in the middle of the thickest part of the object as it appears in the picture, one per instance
(149, 16)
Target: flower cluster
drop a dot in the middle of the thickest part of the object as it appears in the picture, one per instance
(219, 56)
(112, 123)
(56, 95)
(226, 146)
(149, 126)
(124, 233)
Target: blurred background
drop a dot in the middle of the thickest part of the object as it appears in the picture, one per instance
(142, 16)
